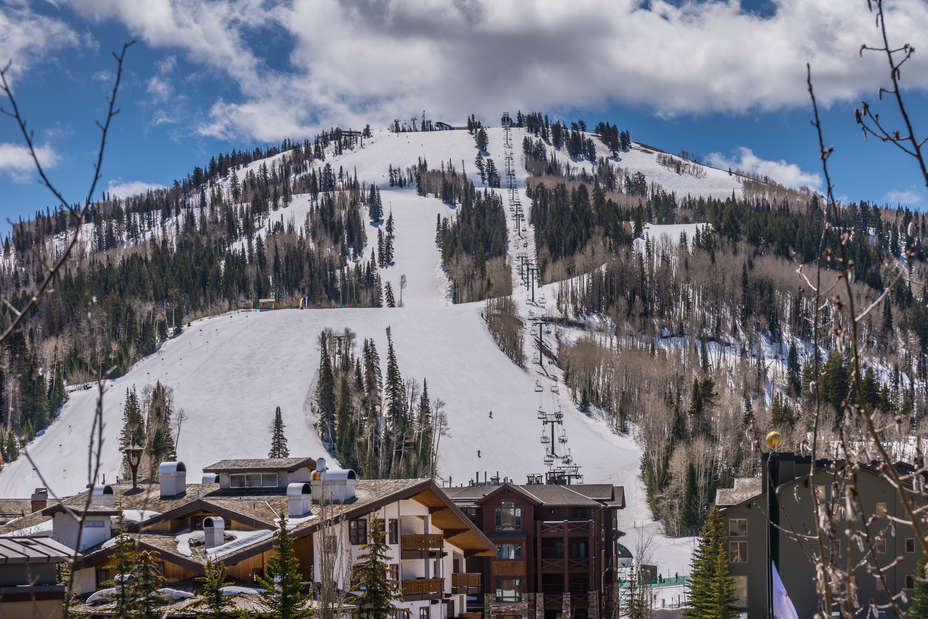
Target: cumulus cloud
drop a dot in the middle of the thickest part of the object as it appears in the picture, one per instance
(354, 60)
(123, 189)
(26, 36)
(159, 88)
(906, 197)
(788, 174)
(16, 162)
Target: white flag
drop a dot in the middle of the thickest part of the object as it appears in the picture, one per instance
(782, 606)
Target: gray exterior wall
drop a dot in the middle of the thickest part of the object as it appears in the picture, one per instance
(754, 570)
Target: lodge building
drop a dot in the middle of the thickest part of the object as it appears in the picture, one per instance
(557, 549)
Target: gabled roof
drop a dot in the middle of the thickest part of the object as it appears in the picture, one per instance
(91, 510)
(260, 464)
(546, 494)
(260, 512)
(16, 550)
(745, 488)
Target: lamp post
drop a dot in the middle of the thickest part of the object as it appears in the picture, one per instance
(133, 454)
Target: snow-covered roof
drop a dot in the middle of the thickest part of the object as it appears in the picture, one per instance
(745, 488)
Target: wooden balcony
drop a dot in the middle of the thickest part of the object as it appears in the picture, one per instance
(418, 546)
(465, 583)
(423, 589)
(556, 528)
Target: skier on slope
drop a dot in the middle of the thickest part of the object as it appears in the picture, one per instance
(478, 453)
(491, 414)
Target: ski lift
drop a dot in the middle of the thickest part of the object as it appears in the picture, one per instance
(558, 415)
(541, 413)
(562, 437)
(549, 459)
(545, 439)
(567, 459)
(538, 387)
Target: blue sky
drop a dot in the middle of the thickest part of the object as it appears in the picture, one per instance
(718, 79)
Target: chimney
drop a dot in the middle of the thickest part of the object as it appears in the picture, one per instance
(214, 531)
(337, 486)
(39, 499)
(173, 478)
(299, 499)
(103, 495)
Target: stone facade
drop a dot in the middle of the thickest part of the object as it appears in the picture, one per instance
(593, 608)
(492, 608)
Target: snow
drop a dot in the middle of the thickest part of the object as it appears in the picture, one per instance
(235, 590)
(241, 538)
(43, 529)
(229, 372)
(138, 515)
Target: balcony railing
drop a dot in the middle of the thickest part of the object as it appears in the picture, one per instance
(423, 588)
(555, 528)
(465, 583)
(422, 542)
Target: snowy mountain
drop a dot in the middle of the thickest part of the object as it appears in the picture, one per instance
(228, 372)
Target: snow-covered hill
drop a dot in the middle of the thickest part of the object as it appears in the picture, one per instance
(229, 372)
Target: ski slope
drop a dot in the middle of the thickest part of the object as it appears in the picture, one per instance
(229, 372)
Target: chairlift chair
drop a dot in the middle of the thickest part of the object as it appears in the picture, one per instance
(541, 413)
(554, 388)
(549, 459)
(545, 439)
(562, 438)
(538, 387)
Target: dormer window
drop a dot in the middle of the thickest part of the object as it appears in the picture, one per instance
(508, 516)
(253, 480)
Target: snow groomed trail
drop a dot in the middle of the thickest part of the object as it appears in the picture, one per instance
(229, 372)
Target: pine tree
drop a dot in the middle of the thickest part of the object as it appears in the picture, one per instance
(148, 579)
(711, 589)
(218, 605)
(12, 447)
(347, 435)
(133, 423)
(481, 140)
(376, 591)
(283, 580)
(388, 294)
(689, 514)
(325, 393)
(278, 438)
(918, 604)
(793, 371)
(123, 561)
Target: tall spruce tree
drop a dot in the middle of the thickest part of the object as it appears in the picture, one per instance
(123, 568)
(145, 584)
(711, 589)
(278, 438)
(918, 605)
(283, 581)
(325, 393)
(376, 591)
(218, 605)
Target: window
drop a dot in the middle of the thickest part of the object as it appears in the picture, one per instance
(424, 613)
(508, 590)
(580, 513)
(253, 480)
(738, 552)
(577, 549)
(909, 581)
(508, 552)
(879, 544)
(93, 524)
(473, 513)
(881, 509)
(393, 531)
(741, 590)
(401, 614)
(910, 544)
(357, 532)
(394, 571)
(508, 517)
(820, 492)
(737, 527)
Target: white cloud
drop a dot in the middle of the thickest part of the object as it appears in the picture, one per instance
(905, 197)
(159, 88)
(16, 162)
(788, 174)
(26, 37)
(372, 60)
(123, 189)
